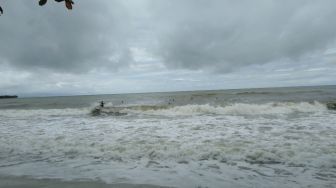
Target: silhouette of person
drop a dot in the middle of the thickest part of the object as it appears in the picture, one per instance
(102, 104)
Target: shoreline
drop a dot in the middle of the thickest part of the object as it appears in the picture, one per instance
(8, 96)
(28, 182)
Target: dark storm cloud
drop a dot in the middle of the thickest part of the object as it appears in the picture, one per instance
(92, 35)
(217, 35)
(224, 34)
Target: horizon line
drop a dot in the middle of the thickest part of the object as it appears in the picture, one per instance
(176, 91)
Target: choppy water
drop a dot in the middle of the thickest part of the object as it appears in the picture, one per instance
(280, 137)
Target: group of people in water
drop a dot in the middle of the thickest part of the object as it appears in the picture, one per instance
(102, 103)
(170, 101)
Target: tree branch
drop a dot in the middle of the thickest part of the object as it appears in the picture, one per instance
(68, 4)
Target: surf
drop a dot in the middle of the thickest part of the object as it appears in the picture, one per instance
(271, 108)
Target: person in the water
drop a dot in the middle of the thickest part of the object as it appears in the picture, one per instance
(102, 104)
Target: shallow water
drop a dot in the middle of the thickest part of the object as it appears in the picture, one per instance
(282, 137)
(24, 182)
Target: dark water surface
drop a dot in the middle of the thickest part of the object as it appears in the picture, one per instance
(276, 137)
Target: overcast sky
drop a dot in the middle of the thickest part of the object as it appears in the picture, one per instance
(122, 46)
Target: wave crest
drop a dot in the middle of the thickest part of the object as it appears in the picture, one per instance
(273, 108)
(234, 109)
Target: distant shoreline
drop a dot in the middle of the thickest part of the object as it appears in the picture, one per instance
(8, 96)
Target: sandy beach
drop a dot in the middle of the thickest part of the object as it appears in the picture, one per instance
(23, 182)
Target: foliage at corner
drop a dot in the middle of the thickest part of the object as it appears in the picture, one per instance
(68, 4)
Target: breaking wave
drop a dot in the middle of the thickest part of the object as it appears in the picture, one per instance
(231, 109)
(276, 93)
(44, 112)
(273, 108)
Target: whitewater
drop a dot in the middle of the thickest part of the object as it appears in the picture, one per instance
(276, 137)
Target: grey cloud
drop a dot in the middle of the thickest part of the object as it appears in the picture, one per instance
(223, 35)
(50, 37)
(219, 35)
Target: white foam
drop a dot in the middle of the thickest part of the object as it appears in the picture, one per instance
(240, 109)
(16, 113)
(200, 139)
(192, 109)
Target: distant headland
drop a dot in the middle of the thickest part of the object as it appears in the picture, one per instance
(8, 96)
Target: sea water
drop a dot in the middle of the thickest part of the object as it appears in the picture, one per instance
(276, 137)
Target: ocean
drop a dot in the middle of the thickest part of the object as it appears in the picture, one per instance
(273, 137)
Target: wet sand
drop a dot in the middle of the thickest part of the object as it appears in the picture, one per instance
(23, 182)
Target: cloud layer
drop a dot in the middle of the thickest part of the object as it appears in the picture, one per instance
(192, 34)
(51, 38)
(224, 34)
(110, 46)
